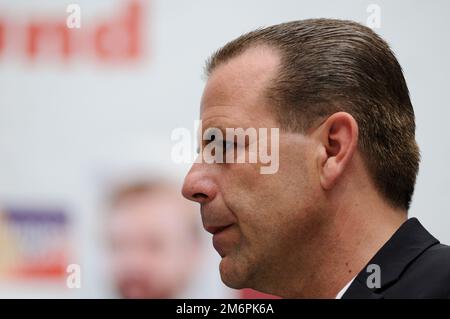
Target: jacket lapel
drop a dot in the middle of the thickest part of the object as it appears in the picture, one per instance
(407, 243)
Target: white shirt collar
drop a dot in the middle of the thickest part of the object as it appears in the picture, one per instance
(343, 290)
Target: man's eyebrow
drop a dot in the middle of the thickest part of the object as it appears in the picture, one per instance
(225, 124)
(200, 135)
(211, 132)
(215, 124)
(218, 127)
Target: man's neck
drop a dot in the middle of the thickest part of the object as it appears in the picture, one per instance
(343, 248)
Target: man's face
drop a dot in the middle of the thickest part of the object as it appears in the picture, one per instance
(257, 220)
(152, 244)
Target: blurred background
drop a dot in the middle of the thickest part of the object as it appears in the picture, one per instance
(89, 192)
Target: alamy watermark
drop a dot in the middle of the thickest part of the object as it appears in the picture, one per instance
(228, 145)
(374, 19)
(73, 279)
(73, 20)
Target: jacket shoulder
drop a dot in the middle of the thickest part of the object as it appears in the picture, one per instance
(428, 276)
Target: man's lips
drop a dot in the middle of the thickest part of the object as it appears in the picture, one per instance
(220, 239)
(214, 230)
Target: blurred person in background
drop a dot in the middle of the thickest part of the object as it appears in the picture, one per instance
(154, 240)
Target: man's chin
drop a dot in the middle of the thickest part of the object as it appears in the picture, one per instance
(232, 273)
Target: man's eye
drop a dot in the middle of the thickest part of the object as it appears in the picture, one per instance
(228, 145)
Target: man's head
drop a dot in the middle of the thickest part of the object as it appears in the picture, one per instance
(154, 240)
(347, 130)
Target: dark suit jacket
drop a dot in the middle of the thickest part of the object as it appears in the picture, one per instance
(413, 264)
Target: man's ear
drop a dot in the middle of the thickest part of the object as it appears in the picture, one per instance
(338, 138)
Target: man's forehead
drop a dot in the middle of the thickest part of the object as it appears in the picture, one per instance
(241, 80)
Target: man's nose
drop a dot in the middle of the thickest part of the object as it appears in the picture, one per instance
(199, 186)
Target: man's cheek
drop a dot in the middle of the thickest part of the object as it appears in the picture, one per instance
(254, 234)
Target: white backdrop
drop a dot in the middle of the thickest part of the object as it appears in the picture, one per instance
(64, 125)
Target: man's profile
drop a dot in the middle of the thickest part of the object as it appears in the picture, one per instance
(348, 162)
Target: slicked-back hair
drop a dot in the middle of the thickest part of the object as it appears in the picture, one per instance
(330, 65)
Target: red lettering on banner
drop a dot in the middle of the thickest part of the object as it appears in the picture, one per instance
(116, 39)
(2, 36)
(120, 39)
(40, 34)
